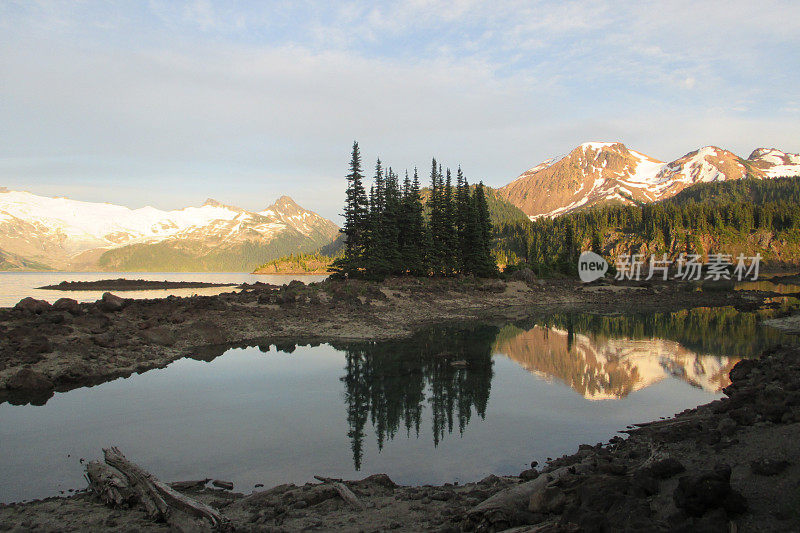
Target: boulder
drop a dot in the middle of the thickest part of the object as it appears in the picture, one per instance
(28, 379)
(210, 333)
(159, 335)
(700, 492)
(665, 468)
(726, 426)
(69, 305)
(111, 303)
(548, 500)
(33, 305)
(37, 344)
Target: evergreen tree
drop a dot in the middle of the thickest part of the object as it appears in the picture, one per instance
(376, 249)
(390, 225)
(355, 220)
(417, 263)
(449, 228)
(436, 249)
(485, 265)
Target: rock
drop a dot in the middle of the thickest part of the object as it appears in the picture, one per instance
(37, 344)
(742, 369)
(645, 482)
(665, 468)
(32, 305)
(529, 474)
(726, 426)
(768, 467)
(28, 379)
(210, 333)
(227, 485)
(111, 303)
(69, 305)
(547, 500)
(703, 491)
(159, 335)
(744, 416)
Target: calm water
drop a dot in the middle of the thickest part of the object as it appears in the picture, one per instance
(282, 413)
(15, 286)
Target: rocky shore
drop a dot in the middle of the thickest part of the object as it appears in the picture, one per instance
(730, 465)
(47, 347)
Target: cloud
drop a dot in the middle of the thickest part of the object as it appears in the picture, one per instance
(213, 99)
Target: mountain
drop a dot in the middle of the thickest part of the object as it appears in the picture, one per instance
(59, 233)
(598, 172)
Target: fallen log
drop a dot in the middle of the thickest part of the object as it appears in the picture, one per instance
(109, 484)
(509, 508)
(344, 493)
(121, 481)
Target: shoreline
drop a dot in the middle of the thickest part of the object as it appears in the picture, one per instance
(727, 464)
(49, 348)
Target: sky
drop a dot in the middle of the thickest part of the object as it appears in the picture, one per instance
(169, 103)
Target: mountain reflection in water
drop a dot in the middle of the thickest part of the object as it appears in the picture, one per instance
(601, 368)
(388, 384)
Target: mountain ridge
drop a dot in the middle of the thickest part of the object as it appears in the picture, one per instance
(600, 172)
(62, 233)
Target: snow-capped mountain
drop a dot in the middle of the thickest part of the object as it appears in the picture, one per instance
(64, 233)
(599, 172)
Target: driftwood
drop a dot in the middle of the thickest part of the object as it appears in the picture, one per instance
(190, 484)
(121, 481)
(110, 484)
(509, 507)
(344, 493)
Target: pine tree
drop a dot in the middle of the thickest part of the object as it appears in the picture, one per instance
(390, 227)
(418, 233)
(355, 220)
(485, 266)
(463, 213)
(436, 233)
(375, 256)
(449, 229)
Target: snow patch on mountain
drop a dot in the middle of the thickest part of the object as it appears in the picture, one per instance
(55, 229)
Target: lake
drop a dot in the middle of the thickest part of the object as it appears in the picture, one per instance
(449, 404)
(15, 286)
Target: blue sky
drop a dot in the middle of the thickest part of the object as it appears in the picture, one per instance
(167, 103)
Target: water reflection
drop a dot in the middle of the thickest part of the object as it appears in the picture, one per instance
(601, 368)
(444, 405)
(389, 383)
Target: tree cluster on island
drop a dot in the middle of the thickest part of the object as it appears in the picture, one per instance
(388, 232)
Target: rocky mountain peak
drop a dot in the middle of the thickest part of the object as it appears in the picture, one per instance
(286, 202)
(596, 172)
